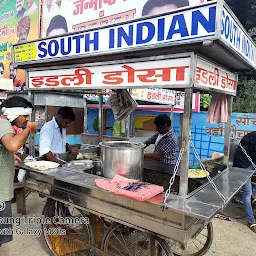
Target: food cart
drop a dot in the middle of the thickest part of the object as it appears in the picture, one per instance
(191, 49)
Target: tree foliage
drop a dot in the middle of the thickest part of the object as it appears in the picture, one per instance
(252, 33)
(245, 10)
(245, 102)
(205, 100)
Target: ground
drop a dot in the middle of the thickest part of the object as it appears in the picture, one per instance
(231, 238)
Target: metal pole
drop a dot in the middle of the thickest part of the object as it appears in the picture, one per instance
(85, 117)
(128, 126)
(32, 151)
(46, 114)
(172, 109)
(101, 118)
(185, 132)
(128, 121)
(131, 131)
(172, 115)
(227, 132)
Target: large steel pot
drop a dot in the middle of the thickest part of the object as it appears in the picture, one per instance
(122, 157)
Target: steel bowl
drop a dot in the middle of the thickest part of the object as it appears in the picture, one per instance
(122, 157)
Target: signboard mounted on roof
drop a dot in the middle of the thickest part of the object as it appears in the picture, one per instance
(210, 76)
(169, 72)
(212, 21)
(191, 25)
(234, 35)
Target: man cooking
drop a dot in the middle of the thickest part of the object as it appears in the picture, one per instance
(53, 139)
(165, 141)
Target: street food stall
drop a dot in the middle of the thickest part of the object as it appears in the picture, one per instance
(192, 49)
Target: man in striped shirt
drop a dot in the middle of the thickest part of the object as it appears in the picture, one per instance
(165, 141)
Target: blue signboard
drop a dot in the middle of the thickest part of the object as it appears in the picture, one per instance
(233, 34)
(190, 25)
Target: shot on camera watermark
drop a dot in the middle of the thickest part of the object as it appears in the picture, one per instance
(40, 225)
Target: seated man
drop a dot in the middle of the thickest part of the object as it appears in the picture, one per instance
(53, 139)
(165, 141)
(248, 142)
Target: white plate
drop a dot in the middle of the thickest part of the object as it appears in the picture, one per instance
(42, 165)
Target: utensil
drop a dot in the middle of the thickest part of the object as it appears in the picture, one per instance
(61, 160)
(42, 165)
(122, 157)
(80, 165)
(98, 166)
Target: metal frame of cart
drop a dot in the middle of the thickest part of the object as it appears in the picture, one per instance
(183, 216)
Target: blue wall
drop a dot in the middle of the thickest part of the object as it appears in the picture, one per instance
(207, 138)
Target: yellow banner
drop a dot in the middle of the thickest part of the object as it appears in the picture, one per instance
(19, 22)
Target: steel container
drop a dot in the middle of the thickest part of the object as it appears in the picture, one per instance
(122, 157)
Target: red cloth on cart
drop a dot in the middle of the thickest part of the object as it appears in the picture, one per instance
(134, 189)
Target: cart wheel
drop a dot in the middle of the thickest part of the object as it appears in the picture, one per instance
(62, 236)
(120, 240)
(196, 246)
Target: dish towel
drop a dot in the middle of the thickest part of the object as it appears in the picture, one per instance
(218, 109)
(134, 189)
